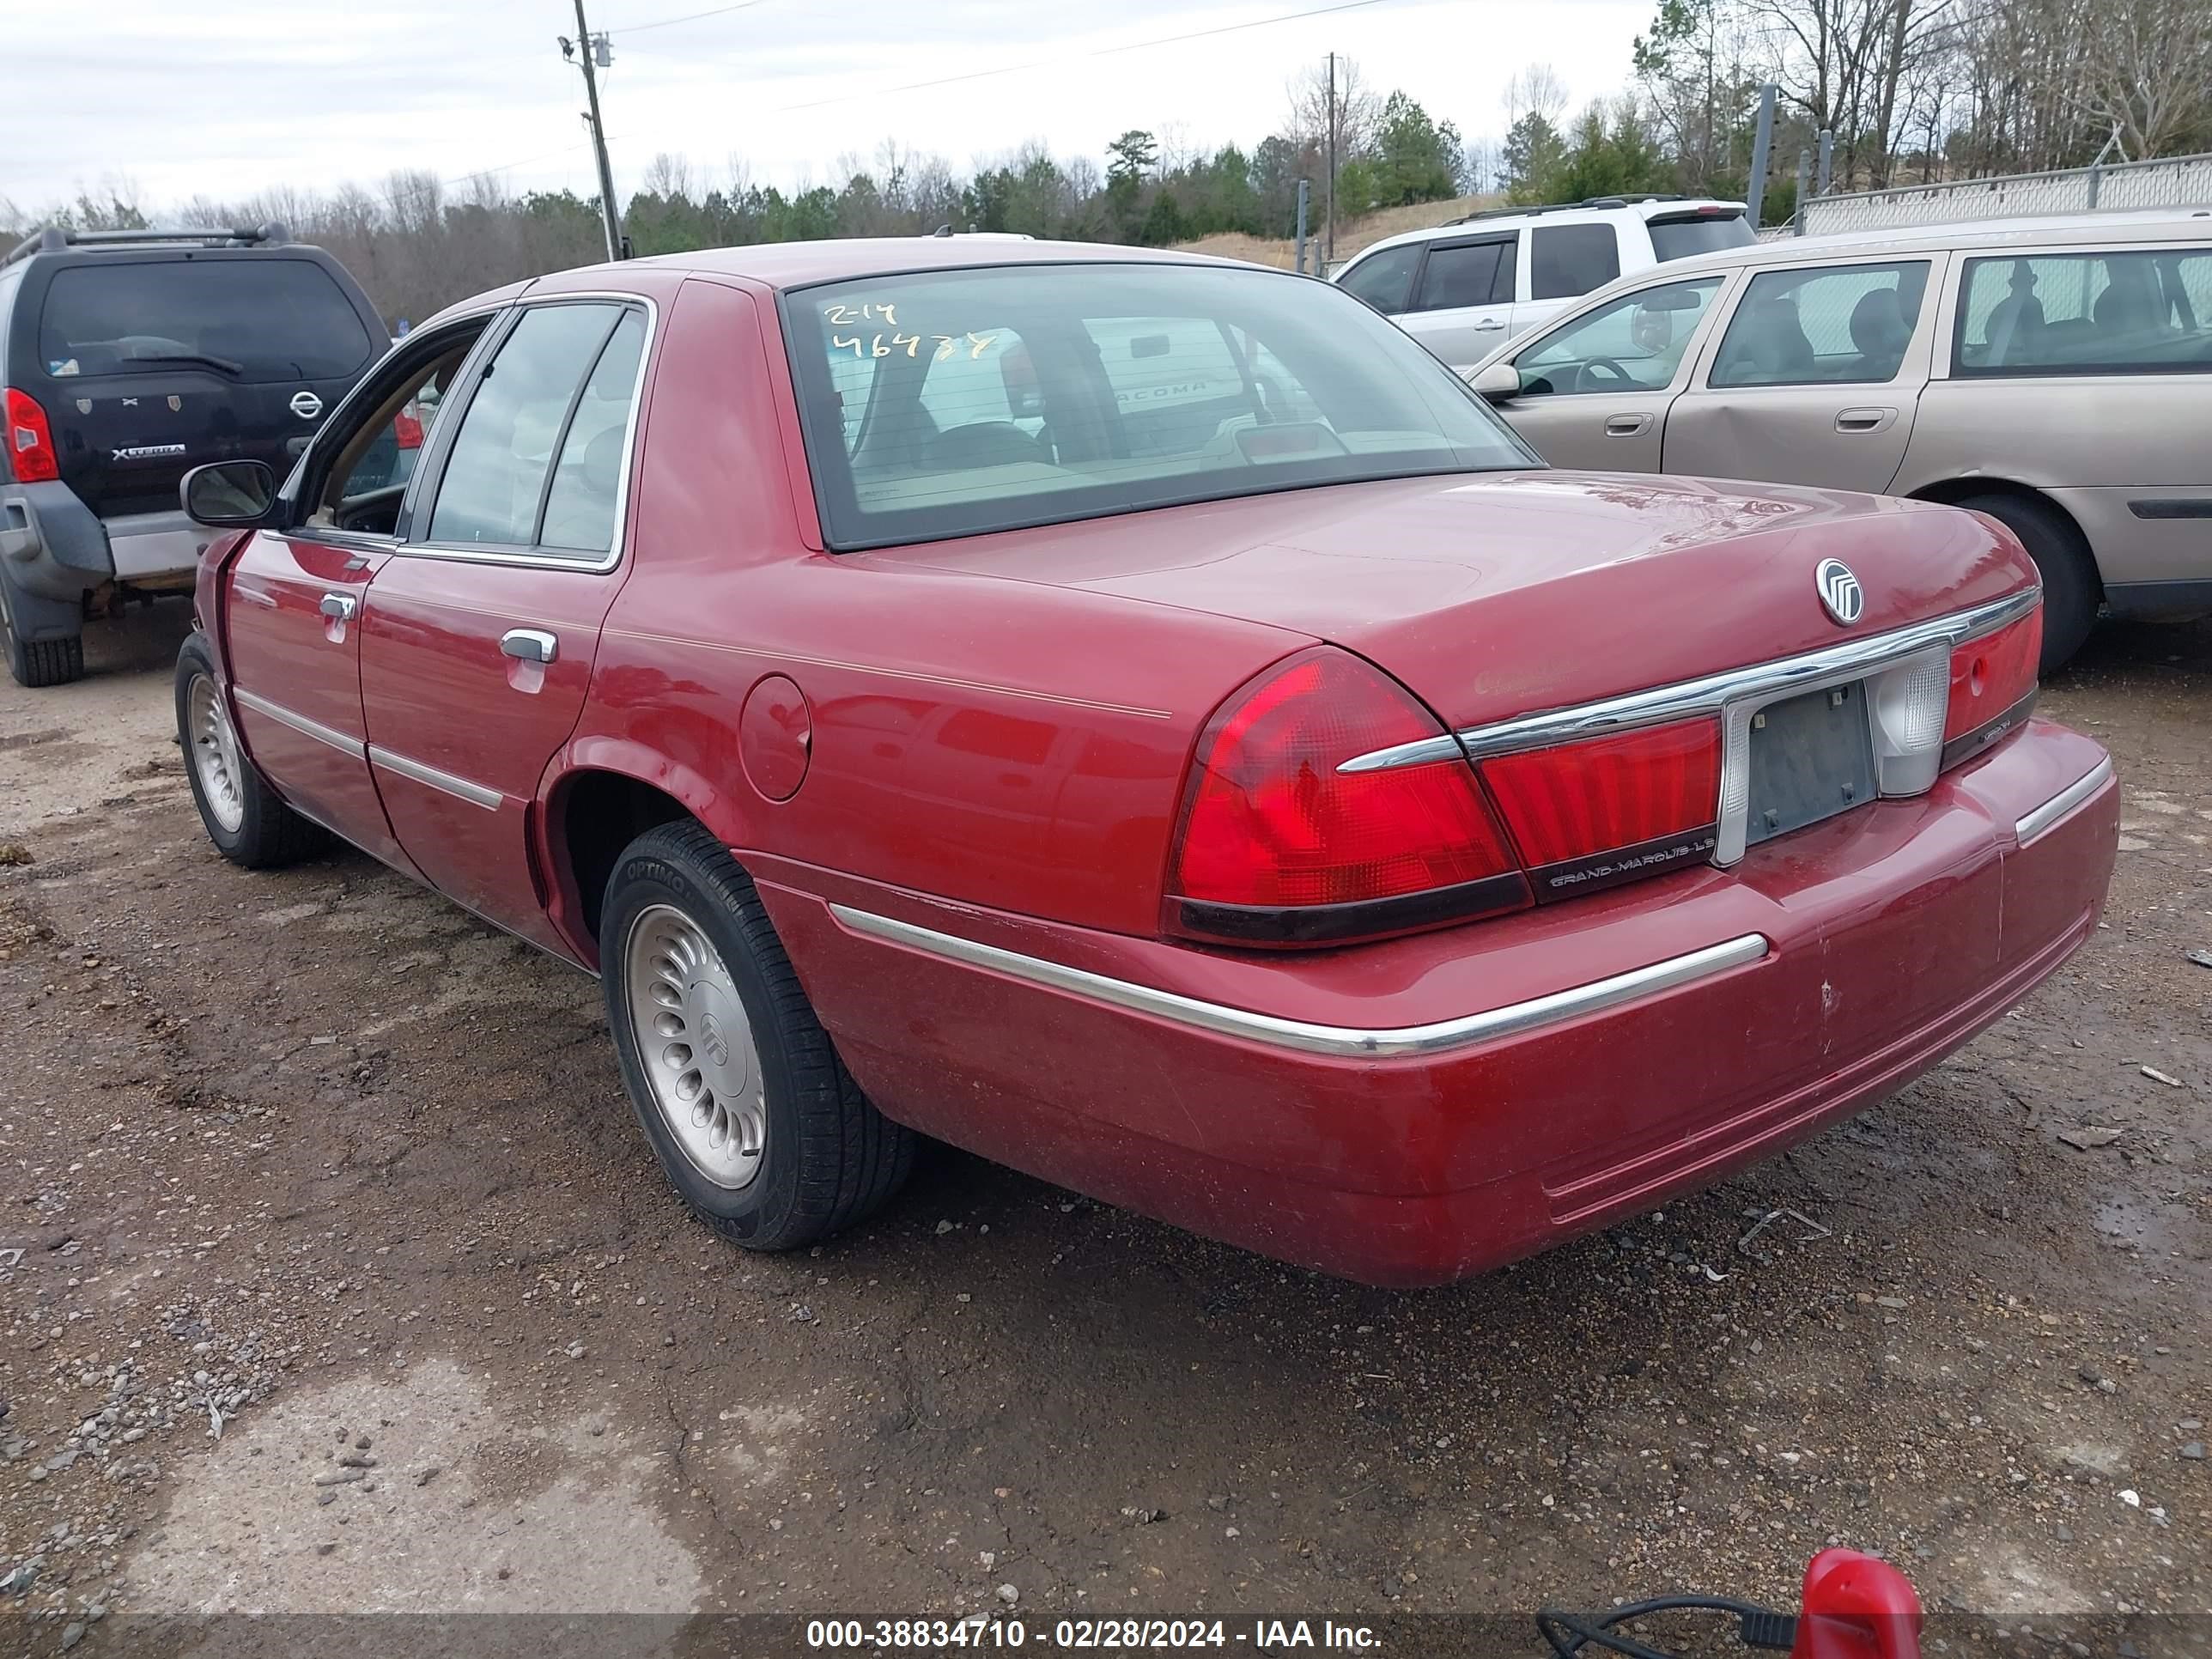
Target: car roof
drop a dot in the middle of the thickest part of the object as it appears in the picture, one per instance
(2060, 229)
(1603, 209)
(797, 264)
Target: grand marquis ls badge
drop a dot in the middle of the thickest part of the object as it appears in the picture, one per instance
(1840, 593)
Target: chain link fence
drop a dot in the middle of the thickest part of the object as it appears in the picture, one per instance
(2180, 181)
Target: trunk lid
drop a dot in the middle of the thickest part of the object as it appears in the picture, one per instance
(1501, 594)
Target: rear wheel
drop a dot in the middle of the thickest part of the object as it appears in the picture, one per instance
(754, 1118)
(2071, 591)
(41, 662)
(243, 816)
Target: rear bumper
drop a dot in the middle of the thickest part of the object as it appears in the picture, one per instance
(1411, 1112)
(54, 549)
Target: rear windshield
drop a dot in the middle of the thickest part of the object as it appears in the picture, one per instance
(954, 403)
(1683, 238)
(242, 319)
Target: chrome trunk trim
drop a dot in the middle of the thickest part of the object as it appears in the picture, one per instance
(2063, 802)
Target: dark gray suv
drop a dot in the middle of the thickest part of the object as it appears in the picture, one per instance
(128, 357)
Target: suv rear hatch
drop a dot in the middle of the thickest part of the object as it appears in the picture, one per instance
(147, 365)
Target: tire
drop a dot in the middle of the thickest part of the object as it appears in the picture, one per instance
(42, 663)
(687, 956)
(242, 815)
(2071, 591)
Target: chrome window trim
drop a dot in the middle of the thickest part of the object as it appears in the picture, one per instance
(1304, 1037)
(300, 723)
(1758, 684)
(538, 561)
(460, 788)
(2065, 801)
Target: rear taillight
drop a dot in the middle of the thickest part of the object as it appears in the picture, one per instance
(407, 428)
(1278, 847)
(1586, 814)
(30, 441)
(1991, 678)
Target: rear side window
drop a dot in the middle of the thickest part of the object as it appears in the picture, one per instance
(249, 320)
(1383, 279)
(1478, 274)
(1694, 233)
(541, 441)
(2086, 314)
(1567, 260)
(1840, 323)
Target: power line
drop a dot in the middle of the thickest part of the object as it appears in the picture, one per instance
(688, 17)
(1077, 57)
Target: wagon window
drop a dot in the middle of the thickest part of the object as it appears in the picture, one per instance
(953, 402)
(2134, 312)
(1836, 324)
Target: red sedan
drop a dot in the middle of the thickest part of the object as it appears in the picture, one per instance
(1141, 719)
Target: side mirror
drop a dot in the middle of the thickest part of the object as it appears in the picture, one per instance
(230, 494)
(1497, 382)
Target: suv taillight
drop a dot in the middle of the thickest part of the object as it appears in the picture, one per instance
(1278, 847)
(1584, 814)
(30, 441)
(407, 428)
(1990, 677)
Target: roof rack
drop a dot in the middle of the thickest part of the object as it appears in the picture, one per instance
(1571, 207)
(53, 239)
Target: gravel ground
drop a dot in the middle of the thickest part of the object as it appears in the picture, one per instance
(334, 1276)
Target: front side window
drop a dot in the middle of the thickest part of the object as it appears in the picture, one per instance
(536, 463)
(1634, 343)
(361, 488)
(250, 319)
(2086, 314)
(1470, 273)
(1001, 397)
(1383, 279)
(1567, 261)
(1839, 325)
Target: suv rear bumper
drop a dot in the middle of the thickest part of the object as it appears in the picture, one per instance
(54, 549)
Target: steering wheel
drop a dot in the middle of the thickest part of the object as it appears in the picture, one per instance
(1615, 378)
(373, 511)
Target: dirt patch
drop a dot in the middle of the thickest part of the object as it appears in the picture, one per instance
(1351, 235)
(314, 1151)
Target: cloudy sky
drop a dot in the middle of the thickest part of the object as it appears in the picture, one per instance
(228, 97)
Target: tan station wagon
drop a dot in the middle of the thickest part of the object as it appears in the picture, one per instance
(2054, 374)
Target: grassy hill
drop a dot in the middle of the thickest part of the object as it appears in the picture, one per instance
(1351, 235)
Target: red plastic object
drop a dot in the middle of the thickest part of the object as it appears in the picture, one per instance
(30, 441)
(1580, 798)
(1990, 674)
(1272, 822)
(1857, 1606)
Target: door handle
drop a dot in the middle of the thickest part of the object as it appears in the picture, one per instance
(341, 607)
(1864, 420)
(1627, 426)
(1489, 324)
(530, 645)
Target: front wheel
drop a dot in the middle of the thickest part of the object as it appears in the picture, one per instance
(243, 815)
(754, 1119)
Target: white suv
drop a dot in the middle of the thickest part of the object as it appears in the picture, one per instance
(1464, 288)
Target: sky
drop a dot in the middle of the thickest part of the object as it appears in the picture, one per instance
(227, 98)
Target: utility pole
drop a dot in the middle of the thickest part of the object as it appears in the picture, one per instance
(597, 48)
(1329, 242)
(1304, 188)
(1754, 198)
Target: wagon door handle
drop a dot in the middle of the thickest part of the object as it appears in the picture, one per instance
(340, 607)
(1627, 426)
(1484, 324)
(1864, 420)
(530, 645)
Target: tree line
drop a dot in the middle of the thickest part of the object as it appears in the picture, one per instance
(1912, 91)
